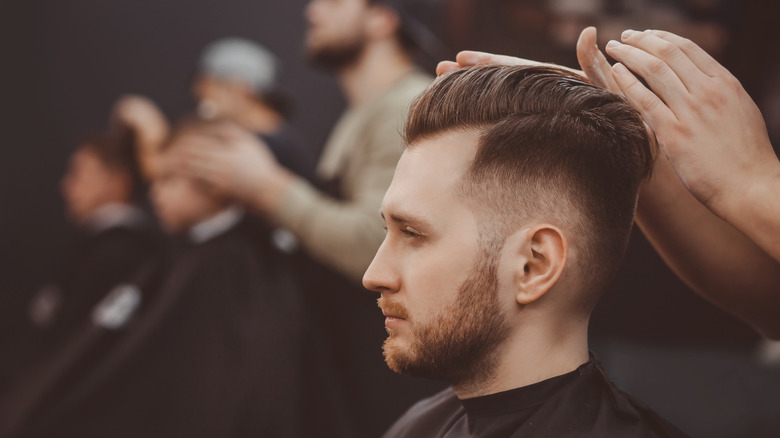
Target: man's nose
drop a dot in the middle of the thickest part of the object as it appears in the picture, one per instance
(381, 275)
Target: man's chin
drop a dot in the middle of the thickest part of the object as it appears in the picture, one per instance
(396, 355)
(402, 359)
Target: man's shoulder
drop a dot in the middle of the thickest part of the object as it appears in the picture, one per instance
(427, 416)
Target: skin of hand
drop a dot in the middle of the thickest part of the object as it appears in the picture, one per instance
(712, 256)
(469, 58)
(150, 126)
(237, 163)
(135, 110)
(709, 128)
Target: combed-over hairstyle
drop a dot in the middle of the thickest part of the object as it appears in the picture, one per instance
(551, 147)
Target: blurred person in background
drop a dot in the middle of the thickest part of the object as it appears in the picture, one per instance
(369, 46)
(116, 239)
(212, 349)
(101, 188)
(238, 80)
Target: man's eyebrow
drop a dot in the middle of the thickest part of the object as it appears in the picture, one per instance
(404, 218)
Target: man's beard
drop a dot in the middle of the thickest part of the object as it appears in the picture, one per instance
(460, 344)
(335, 56)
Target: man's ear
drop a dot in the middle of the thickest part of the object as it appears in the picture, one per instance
(382, 21)
(537, 256)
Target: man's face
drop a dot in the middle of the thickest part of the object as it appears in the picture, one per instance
(179, 201)
(216, 98)
(87, 185)
(440, 293)
(335, 37)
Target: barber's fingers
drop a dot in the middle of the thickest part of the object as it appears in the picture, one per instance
(468, 58)
(446, 67)
(659, 76)
(655, 112)
(706, 63)
(196, 140)
(689, 74)
(218, 132)
(593, 63)
(203, 162)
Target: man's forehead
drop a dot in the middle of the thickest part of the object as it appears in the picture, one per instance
(451, 152)
(430, 170)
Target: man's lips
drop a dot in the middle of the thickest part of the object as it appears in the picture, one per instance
(395, 313)
(388, 314)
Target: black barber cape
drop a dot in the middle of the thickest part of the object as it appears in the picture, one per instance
(582, 403)
(98, 260)
(212, 351)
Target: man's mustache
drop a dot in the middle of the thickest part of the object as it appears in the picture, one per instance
(393, 308)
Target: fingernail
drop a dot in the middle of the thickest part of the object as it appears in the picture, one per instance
(620, 69)
(612, 44)
(627, 33)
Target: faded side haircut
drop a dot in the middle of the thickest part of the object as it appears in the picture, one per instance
(552, 147)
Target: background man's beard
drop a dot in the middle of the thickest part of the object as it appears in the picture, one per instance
(460, 345)
(336, 56)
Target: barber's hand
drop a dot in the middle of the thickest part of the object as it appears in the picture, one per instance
(593, 63)
(234, 162)
(139, 113)
(468, 58)
(710, 129)
(148, 123)
(226, 157)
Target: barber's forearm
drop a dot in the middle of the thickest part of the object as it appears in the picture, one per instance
(267, 192)
(755, 210)
(342, 235)
(711, 256)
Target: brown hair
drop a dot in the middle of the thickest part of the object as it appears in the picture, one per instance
(116, 150)
(113, 149)
(551, 147)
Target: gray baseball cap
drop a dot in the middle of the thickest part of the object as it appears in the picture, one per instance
(239, 59)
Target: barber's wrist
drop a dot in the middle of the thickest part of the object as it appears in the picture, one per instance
(745, 203)
(271, 188)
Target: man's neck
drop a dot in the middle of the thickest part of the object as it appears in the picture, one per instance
(381, 66)
(532, 354)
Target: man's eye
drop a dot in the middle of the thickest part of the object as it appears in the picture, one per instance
(410, 233)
